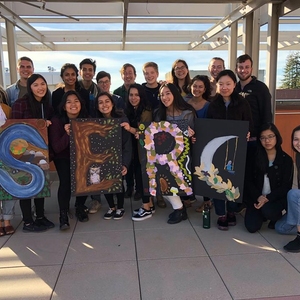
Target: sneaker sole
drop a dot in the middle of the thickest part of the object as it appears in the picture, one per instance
(107, 218)
(222, 228)
(141, 219)
(231, 223)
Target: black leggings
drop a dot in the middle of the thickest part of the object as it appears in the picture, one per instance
(110, 200)
(25, 205)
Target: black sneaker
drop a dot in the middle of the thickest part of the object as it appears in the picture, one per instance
(231, 219)
(293, 246)
(142, 215)
(110, 213)
(44, 222)
(152, 208)
(33, 227)
(119, 214)
(81, 213)
(222, 223)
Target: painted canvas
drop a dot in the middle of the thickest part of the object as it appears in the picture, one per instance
(165, 158)
(96, 156)
(219, 157)
(24, 159)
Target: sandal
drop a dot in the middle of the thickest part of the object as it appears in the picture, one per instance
(9, 229)
(2, 232)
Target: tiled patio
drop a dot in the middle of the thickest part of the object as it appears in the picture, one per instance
(149, 260)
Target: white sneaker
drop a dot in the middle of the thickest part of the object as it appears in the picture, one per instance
(94, 206)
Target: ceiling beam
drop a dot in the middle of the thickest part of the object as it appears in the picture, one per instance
(11, 17)
(238, 13)
(125, 16)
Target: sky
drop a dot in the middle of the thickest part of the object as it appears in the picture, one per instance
(112, 61)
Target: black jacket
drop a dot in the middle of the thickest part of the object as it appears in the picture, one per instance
(259, 98)
(238, 109)
(280, 175)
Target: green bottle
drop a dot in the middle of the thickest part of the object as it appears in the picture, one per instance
(206, 217)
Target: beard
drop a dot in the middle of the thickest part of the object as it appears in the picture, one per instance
(245, 78)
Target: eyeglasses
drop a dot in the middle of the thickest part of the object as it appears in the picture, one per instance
(104, 82)
(269, 137)
(180, 68)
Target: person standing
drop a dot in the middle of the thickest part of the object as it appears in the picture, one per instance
(181, 76)
(18, 90)
(128, 74)
(216, 65)
(255, 92)
(87, 70)
(104, 82)
(34, 105)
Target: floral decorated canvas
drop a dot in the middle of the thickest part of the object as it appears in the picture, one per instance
(96, 156)
(24, 159)
(219, 157)
(165, 158)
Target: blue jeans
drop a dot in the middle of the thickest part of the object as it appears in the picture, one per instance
(221, 206)
(8, 209)
(288, 223)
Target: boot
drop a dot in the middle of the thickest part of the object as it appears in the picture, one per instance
(177, 216)
(64, 220)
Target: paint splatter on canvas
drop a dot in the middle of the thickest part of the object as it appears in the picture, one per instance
(24, 159)
(96, 156)
(165, 160)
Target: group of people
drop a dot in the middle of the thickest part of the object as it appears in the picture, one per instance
(269, 170)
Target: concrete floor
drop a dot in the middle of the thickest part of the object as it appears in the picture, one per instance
(149, 260)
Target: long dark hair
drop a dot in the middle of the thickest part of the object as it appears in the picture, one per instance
(262, 162)
(187, 78)
(38, 109)
(62, 114)
(178, 102)
(292, 137)
(206, 82)
(134, 115)
(115, 113)
(73, 67)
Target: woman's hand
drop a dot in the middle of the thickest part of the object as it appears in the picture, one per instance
(48, 123)
(124, 171)
(67, 128)
(248, 136)
(191, 132)
(128, 128)
(261, 201)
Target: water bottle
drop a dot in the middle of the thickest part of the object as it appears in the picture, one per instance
(206, 217)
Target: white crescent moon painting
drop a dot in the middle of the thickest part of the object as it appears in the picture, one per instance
(210, 149)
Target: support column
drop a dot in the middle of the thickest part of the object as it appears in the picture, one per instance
(272, 48)
(2, 70)
(12, 51)
(232, 46)
(256, 42)
(248, 33)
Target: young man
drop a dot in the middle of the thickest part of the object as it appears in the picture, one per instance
(104, 82)
(216, 65)
(150, 71)
(87, 70)
(255, 92)
(128, 74)
(17, 90)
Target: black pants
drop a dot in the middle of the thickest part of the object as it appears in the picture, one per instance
(25, 205)
(110, 200)
(254, 218)
(64, 189)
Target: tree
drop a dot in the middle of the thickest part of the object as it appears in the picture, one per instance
(291, 79)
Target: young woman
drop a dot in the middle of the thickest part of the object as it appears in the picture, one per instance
(6, 207)
(228, 105)
(138, 111)
(69, 76)
(268, 178)
(181, 77)
(173, 108)
(290, 222)
(34, 105)
(106, 109)
(200, 90)
(71, 107)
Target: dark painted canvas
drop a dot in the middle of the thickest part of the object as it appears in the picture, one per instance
(96, 156)
(24, 159)
(219, 157)
(165, 158)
